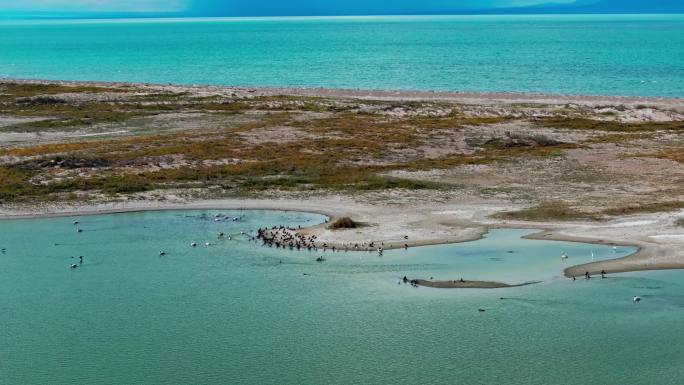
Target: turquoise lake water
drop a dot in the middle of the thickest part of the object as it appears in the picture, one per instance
(233, 313)
(637, 55)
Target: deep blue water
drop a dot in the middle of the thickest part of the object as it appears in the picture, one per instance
(637, 55)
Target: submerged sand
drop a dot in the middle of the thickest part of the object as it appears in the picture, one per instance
(463, 284)
(433, 223)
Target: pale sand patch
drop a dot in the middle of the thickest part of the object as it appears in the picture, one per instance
(668, 236)
(633, 223)
(12, 120)
(101, 134)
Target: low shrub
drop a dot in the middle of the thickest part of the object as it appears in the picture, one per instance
(344, 223)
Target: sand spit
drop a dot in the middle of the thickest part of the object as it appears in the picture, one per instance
(428, 224)
(463, 284)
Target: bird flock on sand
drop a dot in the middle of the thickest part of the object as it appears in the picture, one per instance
(292, 238)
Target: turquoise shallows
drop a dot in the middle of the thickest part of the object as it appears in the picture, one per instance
(630, 55)
(233, 313)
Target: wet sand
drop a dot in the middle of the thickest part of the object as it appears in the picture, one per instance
(458, 284)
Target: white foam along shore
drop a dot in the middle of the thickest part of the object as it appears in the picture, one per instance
(427, 224)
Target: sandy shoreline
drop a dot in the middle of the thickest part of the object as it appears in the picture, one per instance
(388, 95)
(426, 225)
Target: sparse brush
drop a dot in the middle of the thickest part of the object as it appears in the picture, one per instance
(644, 208)
(344, 223)
(549, 211)
(515, 140)
(612, 126)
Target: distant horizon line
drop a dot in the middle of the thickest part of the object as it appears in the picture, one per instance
(140, 15)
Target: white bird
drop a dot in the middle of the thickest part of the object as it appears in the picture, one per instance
(636, 299)
(207, 244)
(564, 256)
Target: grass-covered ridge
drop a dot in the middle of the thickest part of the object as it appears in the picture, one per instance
(547, 211)
(90, 141)
(572, 123)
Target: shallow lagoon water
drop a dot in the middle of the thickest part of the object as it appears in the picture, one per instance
(232, 313)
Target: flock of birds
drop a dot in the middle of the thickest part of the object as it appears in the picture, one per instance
(221, 235)
(217, 218)
(286, 237)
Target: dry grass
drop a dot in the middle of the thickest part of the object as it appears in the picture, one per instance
(676, 155)
(332, 159)
(325, 144)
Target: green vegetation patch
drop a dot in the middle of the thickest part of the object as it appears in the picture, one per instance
(14, 183)
(644, 208)
(609, 126)
(549, 211)
(619, 138)
(26, 90)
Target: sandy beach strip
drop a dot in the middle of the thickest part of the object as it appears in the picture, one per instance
(487, 98)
